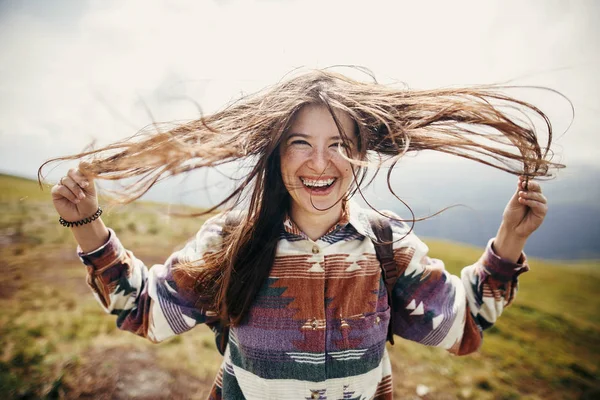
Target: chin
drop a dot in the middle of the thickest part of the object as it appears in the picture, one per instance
(321, 206)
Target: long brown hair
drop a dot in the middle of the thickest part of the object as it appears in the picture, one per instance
(478, 123)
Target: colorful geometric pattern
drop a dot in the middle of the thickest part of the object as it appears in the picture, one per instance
(318, 326)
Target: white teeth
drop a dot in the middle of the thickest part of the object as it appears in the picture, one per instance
(317, 183)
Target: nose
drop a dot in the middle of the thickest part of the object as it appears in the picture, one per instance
(319, 160)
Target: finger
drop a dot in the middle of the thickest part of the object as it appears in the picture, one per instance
(73, 187)
(522, 183)
(78, 177)
(534, 186)
(537, 196)
(531, 186)
(538, 208)
(63, 191)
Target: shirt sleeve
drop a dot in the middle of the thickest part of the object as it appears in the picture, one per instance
(157, 302)
(436, 308)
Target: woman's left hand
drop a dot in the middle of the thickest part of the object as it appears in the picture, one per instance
(526, 210)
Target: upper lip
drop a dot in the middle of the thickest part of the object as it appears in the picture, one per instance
(322, 182)
(318, 178)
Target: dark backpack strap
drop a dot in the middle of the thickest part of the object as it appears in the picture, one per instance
(385, 254)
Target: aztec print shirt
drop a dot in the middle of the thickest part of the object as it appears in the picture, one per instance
(318, 327)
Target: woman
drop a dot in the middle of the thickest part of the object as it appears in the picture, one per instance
(296, 274)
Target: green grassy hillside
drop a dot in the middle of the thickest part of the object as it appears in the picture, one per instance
(56, 342)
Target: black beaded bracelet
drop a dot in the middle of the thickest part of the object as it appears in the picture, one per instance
(87, 220)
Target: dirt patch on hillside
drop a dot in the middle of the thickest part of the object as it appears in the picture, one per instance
(126, 373)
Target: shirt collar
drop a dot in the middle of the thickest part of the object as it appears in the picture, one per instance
(359, 219)
(352, 214)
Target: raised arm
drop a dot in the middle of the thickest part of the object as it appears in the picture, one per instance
(156, 302)
(436, 308)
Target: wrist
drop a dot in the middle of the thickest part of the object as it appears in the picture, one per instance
(508, 245)
(90, 236)
(87, 220)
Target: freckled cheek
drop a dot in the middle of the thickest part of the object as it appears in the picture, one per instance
(291, 161)
(289, 167)
(343, 166)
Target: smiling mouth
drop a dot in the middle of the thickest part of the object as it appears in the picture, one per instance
(318, 184)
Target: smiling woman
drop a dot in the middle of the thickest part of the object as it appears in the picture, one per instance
(310, 284)
(313, 167)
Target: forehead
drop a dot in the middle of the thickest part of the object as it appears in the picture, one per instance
(316, 120)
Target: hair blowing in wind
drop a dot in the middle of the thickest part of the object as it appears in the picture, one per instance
(477, 123)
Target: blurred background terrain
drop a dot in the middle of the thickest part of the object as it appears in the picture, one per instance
(56, 342)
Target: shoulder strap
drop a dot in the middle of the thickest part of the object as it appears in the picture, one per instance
(385, 254)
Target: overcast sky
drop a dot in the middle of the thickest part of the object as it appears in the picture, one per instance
(75, 71)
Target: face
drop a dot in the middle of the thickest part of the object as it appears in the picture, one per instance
(314, 172)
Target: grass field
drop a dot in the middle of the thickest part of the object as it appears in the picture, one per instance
(56, 342)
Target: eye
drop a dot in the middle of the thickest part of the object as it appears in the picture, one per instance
(340, 144)
(300, 143)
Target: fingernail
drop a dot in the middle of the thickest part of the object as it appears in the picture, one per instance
(85, 184)
(76, 201)
(81, 196)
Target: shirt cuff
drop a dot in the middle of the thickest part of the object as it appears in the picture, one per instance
(104, 255)
(500, 268)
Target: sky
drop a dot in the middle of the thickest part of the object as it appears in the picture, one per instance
(73, 72)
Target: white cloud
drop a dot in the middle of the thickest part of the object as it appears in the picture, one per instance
(73, 73)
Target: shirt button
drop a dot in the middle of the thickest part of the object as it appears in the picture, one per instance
(315, 249)
(377, 320)
(314, 395)
(315, 324)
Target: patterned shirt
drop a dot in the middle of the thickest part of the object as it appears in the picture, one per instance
(317, 328)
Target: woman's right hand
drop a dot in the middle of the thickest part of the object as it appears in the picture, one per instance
(74, 196)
